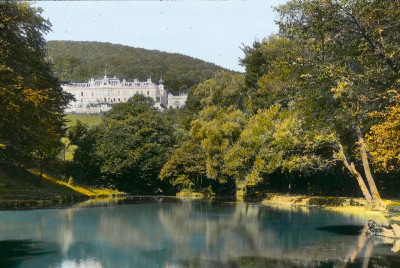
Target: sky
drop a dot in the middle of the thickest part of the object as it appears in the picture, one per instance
(213, 31)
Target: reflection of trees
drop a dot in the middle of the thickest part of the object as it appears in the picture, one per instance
(241, 234)
(120, 233)
(186, 232)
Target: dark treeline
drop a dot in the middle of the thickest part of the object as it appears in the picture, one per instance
(75, 61)
(316, 111)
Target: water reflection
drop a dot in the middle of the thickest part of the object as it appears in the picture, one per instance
(187, 234)
(12, 252)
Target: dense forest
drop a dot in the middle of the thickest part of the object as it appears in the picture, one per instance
(78, 61)
(316, 112)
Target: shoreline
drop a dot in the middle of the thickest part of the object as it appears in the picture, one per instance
(354, 207)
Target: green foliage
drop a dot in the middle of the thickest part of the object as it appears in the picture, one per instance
(79, 61)
(87, 164)
(127, 150)
(273, 67)
(186, 167)
(133, 144)
(216, 129)
(275, 139)
(31, 100)
(222, 90)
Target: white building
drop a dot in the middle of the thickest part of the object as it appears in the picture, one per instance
(100, 95)
(177, 101)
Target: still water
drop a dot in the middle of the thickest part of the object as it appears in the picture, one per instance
(167, 232)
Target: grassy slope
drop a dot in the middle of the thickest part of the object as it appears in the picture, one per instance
(20, 188)
(90, 192)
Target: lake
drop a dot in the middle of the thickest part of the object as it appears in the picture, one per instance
(168, 232)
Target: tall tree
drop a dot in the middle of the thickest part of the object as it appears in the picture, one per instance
(31, 100)
(355, 50)
(134, 143)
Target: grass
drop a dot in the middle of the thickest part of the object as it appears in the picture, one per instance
(91, 120)
(89, 192)
(19, 188)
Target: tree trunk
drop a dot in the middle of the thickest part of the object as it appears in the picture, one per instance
(356, 174)
(367, 171)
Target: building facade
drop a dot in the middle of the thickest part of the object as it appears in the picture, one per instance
(100, 95)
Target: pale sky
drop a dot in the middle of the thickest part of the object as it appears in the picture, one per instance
(212, 31)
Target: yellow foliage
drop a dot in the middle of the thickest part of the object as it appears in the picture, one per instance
(90, 192)
(36, 97)
(384, 141)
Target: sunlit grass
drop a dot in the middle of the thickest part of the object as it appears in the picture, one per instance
(91, 120)
(90, 192)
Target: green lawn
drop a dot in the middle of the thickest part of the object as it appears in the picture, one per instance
(91, 120)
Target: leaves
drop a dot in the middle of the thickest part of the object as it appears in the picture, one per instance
(384, 141)
(32, 102)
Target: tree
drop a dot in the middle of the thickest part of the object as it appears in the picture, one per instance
(31, 100)
(87, 164)
(217, 129)
(134, 143)
(276, 139)
(384, 140)
(186, 167)
(355, 54)
(219, 118)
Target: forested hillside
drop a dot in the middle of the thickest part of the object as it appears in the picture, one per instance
(78, 61)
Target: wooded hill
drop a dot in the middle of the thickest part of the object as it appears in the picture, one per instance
(78, 61)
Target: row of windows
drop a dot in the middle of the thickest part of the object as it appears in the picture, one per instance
(92, 100)
(108, 93)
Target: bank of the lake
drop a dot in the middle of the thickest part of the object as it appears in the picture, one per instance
(24, 188)
(356, 207)
(21, 188)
